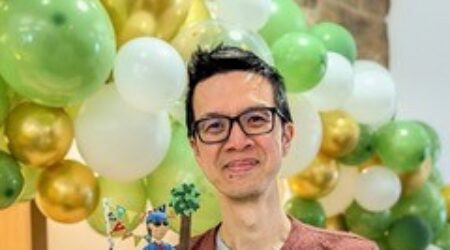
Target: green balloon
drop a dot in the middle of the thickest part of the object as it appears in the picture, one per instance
(368, 224)
(436, 178)
(402, 145)
(409, 233)
(11, 180)
(180, 166)
(443, 239)
(55, 52)
(307, 211)
(336, 38)
(286, 17)
(301, 60)
(4, 101)
(30, 176)
(383, 243)
(129, 195)
(435, 141)
(427, 203)
(363, 150)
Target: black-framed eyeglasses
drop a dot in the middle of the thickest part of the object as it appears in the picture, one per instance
(254, 121)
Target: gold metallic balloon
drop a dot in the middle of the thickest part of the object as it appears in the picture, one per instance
(412, 181)
(445, 192)
(67, 192)
(340, 133)
(336, 223)
(38, 136)
(317, 180)
(140, 23)
(198, 12)
(372, 161)
(119, 11)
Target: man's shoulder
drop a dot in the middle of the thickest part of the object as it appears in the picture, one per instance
(303, 236)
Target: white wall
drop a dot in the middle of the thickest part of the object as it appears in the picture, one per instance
(419, 39)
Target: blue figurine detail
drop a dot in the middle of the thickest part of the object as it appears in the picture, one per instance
(157, 227)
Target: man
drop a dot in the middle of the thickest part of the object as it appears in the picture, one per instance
(240, 127)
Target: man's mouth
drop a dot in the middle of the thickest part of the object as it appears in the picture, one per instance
(241, 166)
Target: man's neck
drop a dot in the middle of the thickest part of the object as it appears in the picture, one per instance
(259, 223)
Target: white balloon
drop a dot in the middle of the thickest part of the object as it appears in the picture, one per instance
(336, 85)
(249, 14)
(118, 141)
(307, 137)
(433, 247)
(377, 189)
(374, 97)
(150, 74)
(343, 194)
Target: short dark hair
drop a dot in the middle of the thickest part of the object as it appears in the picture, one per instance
(221, 59)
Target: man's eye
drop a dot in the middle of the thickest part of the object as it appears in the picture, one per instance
(214, 127)
(257, 120)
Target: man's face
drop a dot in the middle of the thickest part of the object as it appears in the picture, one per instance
(158, 232)
(242, 166)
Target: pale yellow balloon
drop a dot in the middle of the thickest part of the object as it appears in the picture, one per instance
(141, 23)
(340, 133)
(412, 181)
(67, 192)
(317, 180)
(38, 136)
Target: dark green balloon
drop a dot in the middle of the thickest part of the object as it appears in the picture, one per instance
(443, 239)
(435, 141)
(11, 180)
(55, 52)
(4, 101)
(179, 166)
(363, 150)
(409, 233)
(286, 17)
(301, 60)
(307, 211)
(336, 38)
(368, 224)
(402, 145)
(427, 203)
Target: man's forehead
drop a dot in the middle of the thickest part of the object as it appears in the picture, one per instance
(232, 92)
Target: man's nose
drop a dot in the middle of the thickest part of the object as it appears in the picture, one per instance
(238, 140)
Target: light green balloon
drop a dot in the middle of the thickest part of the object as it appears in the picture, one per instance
(286, 17)
(301, 60)
(4, 101)
(129, 195)
(55, 52)
(336, 38)
(30, 176)
(180, 166)
(443, 239)
(402, 145)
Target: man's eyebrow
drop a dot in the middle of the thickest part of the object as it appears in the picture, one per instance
(217, 114)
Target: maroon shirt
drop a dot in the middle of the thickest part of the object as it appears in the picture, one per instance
(301, 237)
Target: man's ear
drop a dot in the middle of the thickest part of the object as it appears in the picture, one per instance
(286, 137)
(194, 145)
